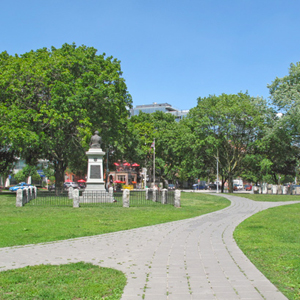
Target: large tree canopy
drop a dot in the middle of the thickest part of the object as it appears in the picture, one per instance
(226, 128)
(51, 101)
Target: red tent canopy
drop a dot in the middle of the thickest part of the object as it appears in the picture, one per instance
(135, 165)
(68, 180)
(126, 164)
(81, 180)
(116, 164)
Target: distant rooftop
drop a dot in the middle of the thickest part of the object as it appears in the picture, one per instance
(164, 107)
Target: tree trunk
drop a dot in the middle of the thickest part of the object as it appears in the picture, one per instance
(230, 183)
(59, 173)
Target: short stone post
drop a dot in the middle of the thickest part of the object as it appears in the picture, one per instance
(19, 199)
(76, 200)
(274, 189)
(284, 190)
(279, 190)
(264, 188)
(147, 194)
(35, 192)
(126, 195)
(154, 194)
(177, 198)
(70, 192)
(163, 196)
(297, 190)
(111, 194)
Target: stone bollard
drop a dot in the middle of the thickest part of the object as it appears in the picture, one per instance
(19, 198)
(284, 190)
(111, 194)
(147, 194)
(35, 192)
(70, 192)
(264, 188)
(163, 197)
(75, 197)
(177, 198)
(126, 195)
(274, 189)
(279, 190)
(297, 190)
(154, 195)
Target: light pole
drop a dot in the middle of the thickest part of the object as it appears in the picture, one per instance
(217, 171)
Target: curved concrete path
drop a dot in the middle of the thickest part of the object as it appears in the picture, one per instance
(189, 259)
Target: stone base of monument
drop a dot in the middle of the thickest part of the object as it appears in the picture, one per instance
(96, 196)
(95, 190)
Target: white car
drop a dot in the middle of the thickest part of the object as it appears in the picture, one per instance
(71, 184)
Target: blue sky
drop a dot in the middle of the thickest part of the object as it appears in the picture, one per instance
(170, 51)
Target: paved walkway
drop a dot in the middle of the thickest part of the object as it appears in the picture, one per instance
(189, 259)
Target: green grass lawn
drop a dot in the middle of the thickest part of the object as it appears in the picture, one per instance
(70, 281)
(268, 198)
(271, 240)
(36, 224)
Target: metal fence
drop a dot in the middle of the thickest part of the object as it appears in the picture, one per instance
(52, 198)
(137, 198)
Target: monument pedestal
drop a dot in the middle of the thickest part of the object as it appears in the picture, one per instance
(95, 191)
(95, 169)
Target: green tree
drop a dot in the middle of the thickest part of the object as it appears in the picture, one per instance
(52, 100)
(226, 128)
(285, 96)
(20, 176)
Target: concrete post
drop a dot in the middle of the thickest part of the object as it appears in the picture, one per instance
(76, 201)
(111, 194)
(147, 194)
(126, 197)
(163, 197)
(35, 192)
(177, 198)
(19, 198)
(154, 194)
(70, 192)
(274, 189)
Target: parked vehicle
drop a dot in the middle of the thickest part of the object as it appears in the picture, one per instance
(67, 185)
(199, 187)
(20, 185)
(171, 186)
(213, 186)
(51, 187)
(248, 187)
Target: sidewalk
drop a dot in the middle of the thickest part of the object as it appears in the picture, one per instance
(188, 259)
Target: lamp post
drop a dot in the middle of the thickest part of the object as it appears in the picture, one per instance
(217, 171)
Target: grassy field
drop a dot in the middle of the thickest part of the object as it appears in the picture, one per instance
(35, 224)
(269, 198)
(71, 281)
(271, 240)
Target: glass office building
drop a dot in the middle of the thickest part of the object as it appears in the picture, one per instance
(164, 107)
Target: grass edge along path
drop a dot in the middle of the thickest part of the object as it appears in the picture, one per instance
(271, 240)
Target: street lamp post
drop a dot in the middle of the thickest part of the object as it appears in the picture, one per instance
(218, 171)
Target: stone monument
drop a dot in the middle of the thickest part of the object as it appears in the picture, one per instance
(95, 164)
(95, 186)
